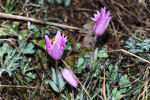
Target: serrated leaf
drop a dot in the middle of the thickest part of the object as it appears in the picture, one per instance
(28, 49)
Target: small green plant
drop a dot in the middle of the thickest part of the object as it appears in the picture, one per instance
(10, 4)
(88, 62)
(112, 75)
(57, 85)
(136, 47)
(12, 59)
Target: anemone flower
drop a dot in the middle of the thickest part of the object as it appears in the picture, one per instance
(56, 49)
(102, 20)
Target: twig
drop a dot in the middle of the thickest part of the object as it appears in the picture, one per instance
(127, 35)
(135, 56)
(19, 86)
(24, 41)
(17, 17)
(35, 90)
(73, 46)
(78, 80)
(145, 6)
(122, 50)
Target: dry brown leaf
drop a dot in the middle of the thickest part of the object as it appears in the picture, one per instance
(88, 40)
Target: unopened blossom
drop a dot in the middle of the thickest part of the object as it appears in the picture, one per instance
(102, 20)
(69, 77)
(56, 49)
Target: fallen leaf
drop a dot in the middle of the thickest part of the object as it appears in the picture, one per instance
(87, 31)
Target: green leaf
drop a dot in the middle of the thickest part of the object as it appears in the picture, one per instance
(31, 75)
(95, 56)
(108, 89)
(113, 93)
(80, 61)
(15, 26)
(50, 1)
(7, 5)
(47, 82)
(29, 49)
(59, 1)
(67, 2)
(118, 95)
(61, 82)
(54, 86)
(10, 5)
(124, 83)
(54, 78)
(40, 2)
(103, 54)
(32, 27)
(110, 67)
(77, 46)
(22, 34)
(4, 31)
(42, 43)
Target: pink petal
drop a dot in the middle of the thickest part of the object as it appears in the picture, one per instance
(57, 37)
(102, 20)
(48, 44)
(69, 77)
(57, 51)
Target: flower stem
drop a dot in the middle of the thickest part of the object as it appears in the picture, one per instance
(94, 45)
(56, 66)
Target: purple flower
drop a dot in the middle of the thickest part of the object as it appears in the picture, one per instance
(102, 20)
(56, 49)
(69, 77)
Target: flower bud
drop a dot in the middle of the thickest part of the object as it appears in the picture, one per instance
(69, 77)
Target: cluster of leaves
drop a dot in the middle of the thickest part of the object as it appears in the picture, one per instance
(66, 2)
(87, 61)
(56, 84)
(124, 84)
(12, 58)
(94, 64)
(136, 47)
(10, 4)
